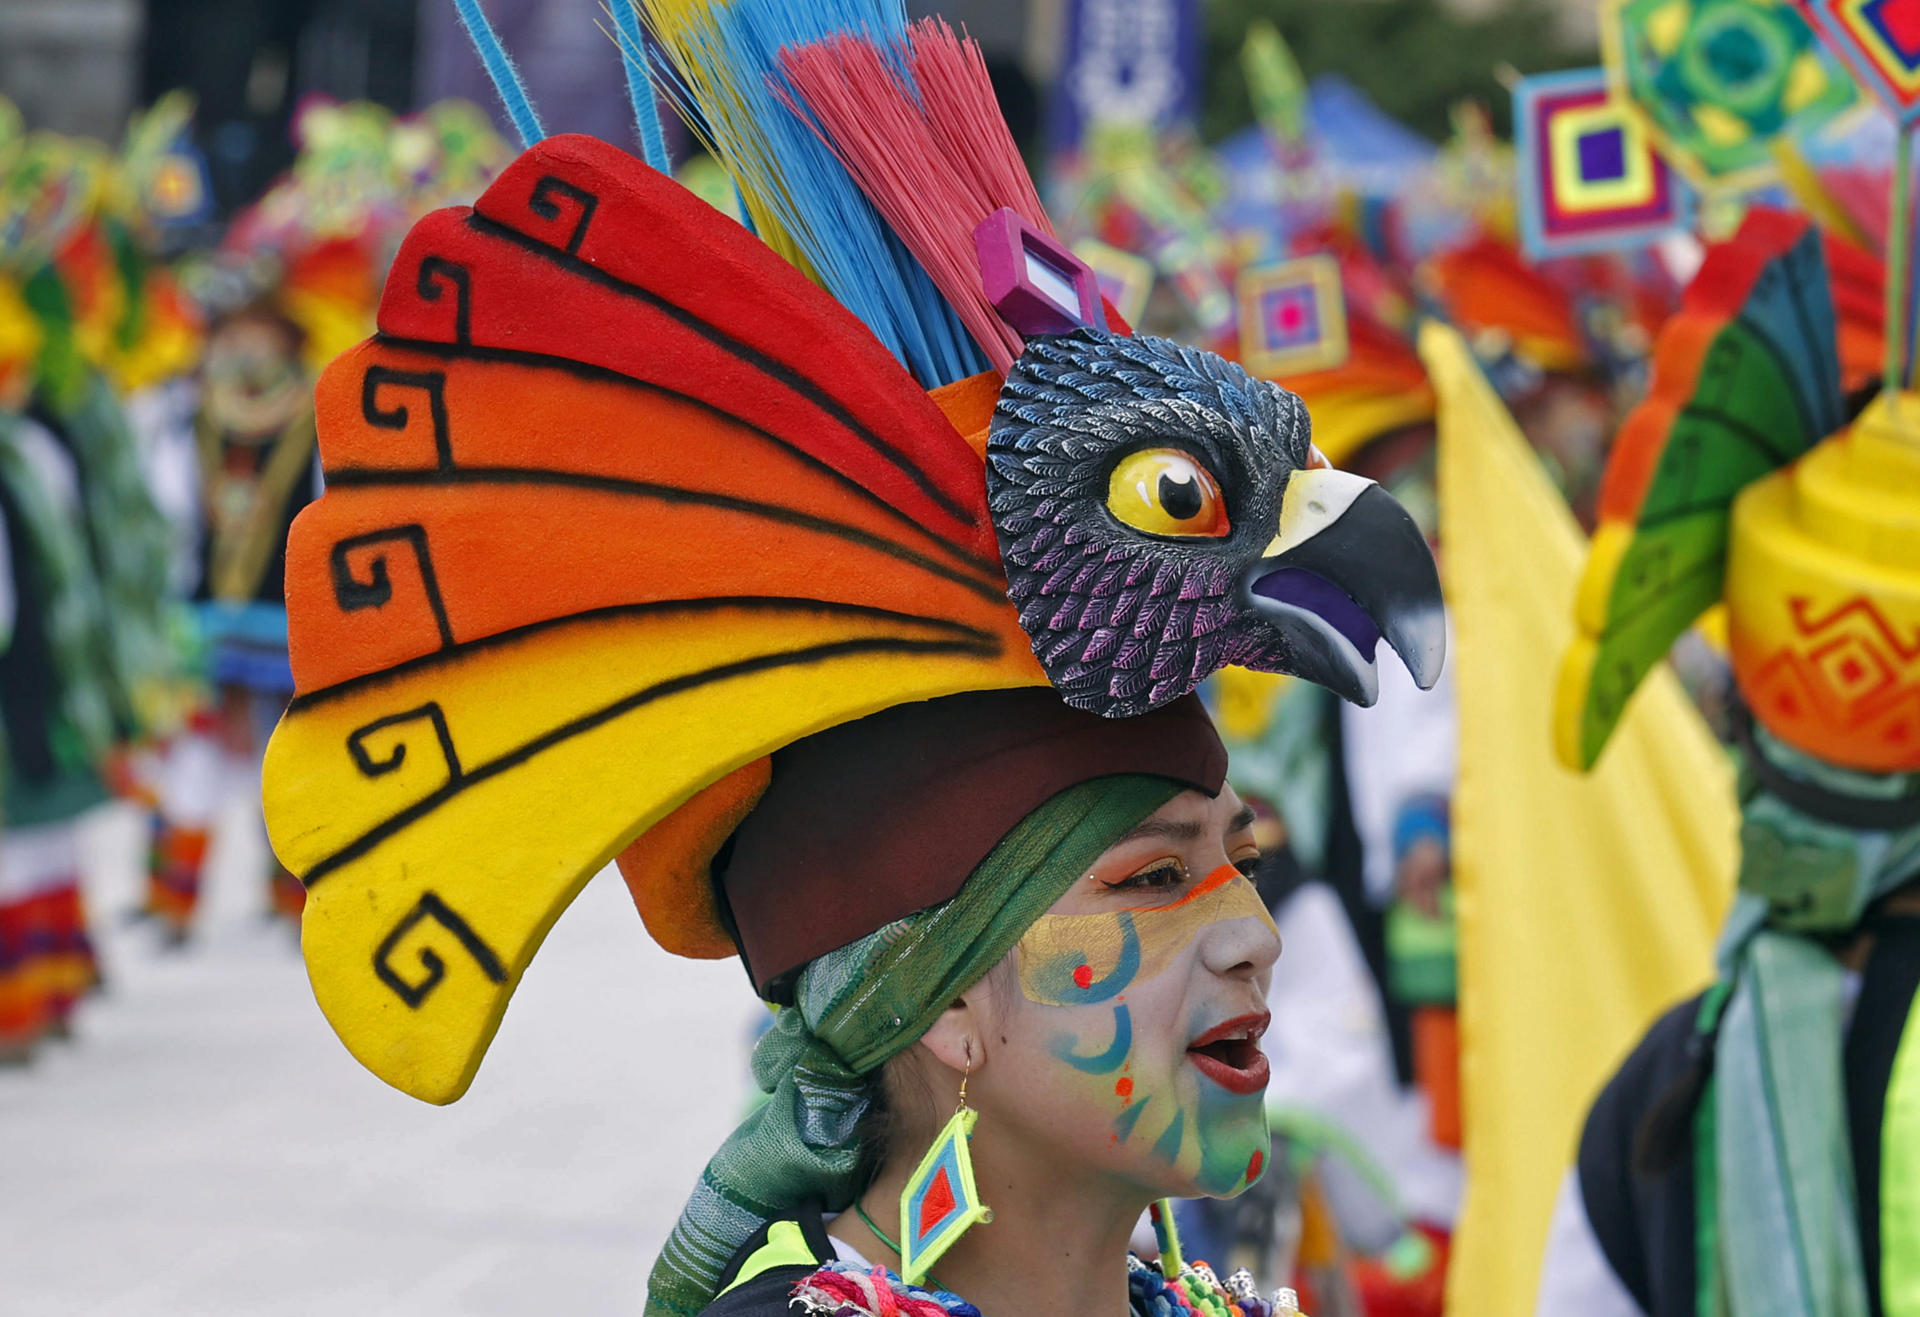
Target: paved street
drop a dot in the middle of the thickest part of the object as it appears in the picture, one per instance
(207, 1147)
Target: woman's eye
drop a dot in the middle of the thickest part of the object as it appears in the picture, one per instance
(1164, 491)
(1158, 877)
(1248, 865)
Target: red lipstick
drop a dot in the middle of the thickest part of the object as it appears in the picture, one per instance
(1229, 1054)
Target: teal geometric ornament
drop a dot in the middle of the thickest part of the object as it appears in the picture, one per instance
(940, 1202)
(1724, 85)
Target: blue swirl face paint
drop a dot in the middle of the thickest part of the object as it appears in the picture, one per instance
(1065, 976)
(1115, 987)
(1076, 960)
(1102, 1063)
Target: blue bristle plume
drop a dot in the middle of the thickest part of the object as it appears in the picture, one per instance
(646, 110)
(852, 250)
(499, 67)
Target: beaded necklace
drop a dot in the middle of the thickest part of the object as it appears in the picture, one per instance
(887, 1239)
(844, 1289)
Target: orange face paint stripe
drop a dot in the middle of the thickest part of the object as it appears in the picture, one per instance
(1219, 878)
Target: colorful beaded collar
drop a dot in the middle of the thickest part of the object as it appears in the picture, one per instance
(843, 1289)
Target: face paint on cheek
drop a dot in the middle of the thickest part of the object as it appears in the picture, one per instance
(1231, 1139)
(1105, 1061)
(1076, 960)
(1082, 966)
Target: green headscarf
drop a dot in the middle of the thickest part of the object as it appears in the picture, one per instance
(857, 1007)
(1787, 1244)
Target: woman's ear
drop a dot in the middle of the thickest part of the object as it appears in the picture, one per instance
(958, 1038)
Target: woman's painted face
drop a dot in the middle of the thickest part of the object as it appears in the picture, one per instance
(1134, 1032)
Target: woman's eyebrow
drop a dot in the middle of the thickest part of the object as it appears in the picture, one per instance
(1164, 829)
(1185, 829)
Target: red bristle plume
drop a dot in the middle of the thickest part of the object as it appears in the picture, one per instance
(960, 107)
(929, 149)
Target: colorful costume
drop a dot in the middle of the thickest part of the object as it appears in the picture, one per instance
(1366, 793)
(1743, 479)
(639, 542)
(58, 725)
(90, 660)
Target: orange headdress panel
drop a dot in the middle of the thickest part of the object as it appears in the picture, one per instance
(786, 533)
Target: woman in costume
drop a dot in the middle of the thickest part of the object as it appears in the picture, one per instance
(87, 663)
(54, 720)
(859, 615)
(1097, 984)
(1759, 1150)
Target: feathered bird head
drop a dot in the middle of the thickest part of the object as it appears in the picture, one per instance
(1140, 490)
(620, 502)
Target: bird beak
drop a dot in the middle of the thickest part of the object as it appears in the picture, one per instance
(1348, 568)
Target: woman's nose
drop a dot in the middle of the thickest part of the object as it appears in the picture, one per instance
(1243, 942)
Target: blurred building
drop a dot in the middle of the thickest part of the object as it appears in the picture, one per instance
(70, 64)
(82, 66)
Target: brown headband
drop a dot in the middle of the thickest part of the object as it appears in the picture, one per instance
(870, 821)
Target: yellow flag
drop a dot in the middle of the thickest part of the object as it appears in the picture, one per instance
(1587, 903)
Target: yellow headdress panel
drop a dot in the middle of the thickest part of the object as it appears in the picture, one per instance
(1823, 594)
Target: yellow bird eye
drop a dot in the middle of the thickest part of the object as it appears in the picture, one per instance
(1164, 491)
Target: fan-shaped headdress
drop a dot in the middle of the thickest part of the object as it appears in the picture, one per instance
(1739, 479)
(623, 498)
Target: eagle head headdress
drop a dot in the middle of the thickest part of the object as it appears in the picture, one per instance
(624, 496)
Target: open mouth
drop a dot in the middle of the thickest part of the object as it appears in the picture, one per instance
(1229, 1054)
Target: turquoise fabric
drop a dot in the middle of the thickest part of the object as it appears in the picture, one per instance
(1788, 1243)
